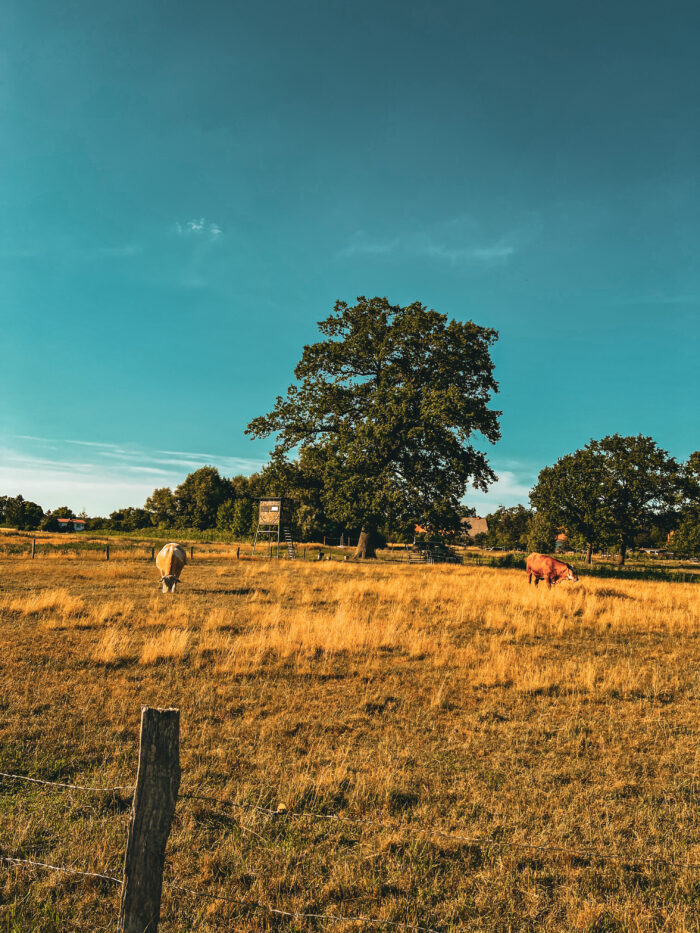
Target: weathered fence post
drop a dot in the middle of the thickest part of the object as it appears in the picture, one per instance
(33, 547)
(238, 552)
(157, 784)
(107, 552)
(153, 553)
(191, 552)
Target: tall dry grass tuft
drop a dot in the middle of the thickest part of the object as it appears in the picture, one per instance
(58, 601)
(57, 607)
(115, 647)
(169, 645)
(113, 610)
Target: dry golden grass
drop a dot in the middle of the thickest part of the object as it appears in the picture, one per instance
(445, 697)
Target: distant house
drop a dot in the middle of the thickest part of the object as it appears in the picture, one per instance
(71, 524)
(561, 540)
(471, 527)
(474, 525)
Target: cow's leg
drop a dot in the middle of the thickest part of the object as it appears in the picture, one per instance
(529, 578)
(537, 579)
(549, 581)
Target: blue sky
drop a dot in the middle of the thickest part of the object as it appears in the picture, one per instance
(186, 189)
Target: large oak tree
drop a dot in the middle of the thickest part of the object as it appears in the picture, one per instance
(384, 412)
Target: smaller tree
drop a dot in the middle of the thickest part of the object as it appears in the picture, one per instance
(226, 515)
(198, 498)
(243, 522)
(641, 485)
(22, 513)
(63, 511)
(541, 534)
(508, 528)
(161, 505)
(611, 490)
(686, 538)
(50, 522)
(572, 495)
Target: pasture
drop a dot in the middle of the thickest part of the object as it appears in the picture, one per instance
(425, 698)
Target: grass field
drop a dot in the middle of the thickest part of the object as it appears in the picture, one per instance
(425, 697)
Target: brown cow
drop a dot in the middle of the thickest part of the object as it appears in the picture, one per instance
(170, 561)
(542, 567)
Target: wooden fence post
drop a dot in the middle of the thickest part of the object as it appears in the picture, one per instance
(33, 547)
(238, 552)
(191, 552)
(107, 552)
(157, 784)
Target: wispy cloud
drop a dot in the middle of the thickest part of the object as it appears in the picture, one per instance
(497, 253)
(103, 476)
(200, 228)
(458, 242)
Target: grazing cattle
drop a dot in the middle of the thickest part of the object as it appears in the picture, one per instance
(170, 561)
(542, 567)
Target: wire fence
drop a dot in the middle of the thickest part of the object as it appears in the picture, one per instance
(282, 813)
(208, 895)
(336, 549)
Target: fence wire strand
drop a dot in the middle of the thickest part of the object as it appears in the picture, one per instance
(455, 837)
(66, 871)
(381, 824)
(82, 787)
(207, 895)
(278, 911)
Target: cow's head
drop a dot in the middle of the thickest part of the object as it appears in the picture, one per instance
(571, 575)
(169, 583)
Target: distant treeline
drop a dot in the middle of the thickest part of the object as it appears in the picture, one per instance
(204, 502)
(568, 505)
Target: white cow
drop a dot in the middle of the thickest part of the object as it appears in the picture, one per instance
(170, 561)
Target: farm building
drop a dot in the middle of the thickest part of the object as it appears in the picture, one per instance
(71, 524)
(473, 526)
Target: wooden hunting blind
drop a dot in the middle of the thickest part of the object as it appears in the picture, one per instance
(271, 522)
(270, 512)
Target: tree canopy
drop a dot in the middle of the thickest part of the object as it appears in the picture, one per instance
(611, 489)
(570, 494)
(20, 513)
(384, 413)
(509, 527)
(198, 498)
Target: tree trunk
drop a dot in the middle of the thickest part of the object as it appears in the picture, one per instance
(623, 552)
(589, 552)
(366, 545)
